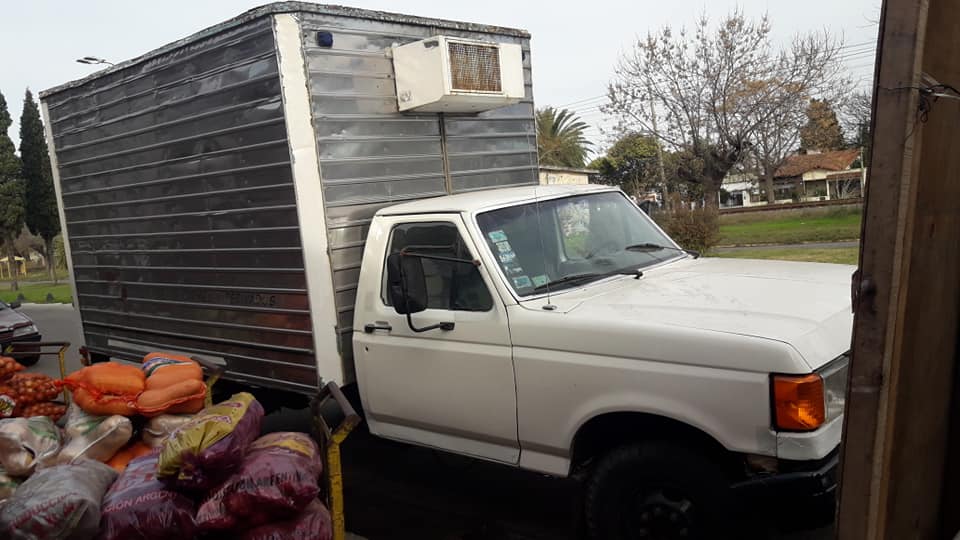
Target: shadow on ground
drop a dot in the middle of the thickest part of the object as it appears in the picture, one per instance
(399, 492)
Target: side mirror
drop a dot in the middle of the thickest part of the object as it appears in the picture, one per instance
(406, 283)
(14, 305)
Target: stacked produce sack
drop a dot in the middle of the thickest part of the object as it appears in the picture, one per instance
(164, 383)
(139, 457)
(27, 394)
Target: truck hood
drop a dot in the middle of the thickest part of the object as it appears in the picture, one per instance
(804, 305)
(10, 319)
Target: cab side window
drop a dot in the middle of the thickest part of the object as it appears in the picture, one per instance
(450, 285)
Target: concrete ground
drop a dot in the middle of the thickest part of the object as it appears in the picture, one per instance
(397, 491)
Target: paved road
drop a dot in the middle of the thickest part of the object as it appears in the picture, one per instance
(809, 245)
(396, 491)
(57, 322)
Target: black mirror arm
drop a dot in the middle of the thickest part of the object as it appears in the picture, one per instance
(442, 326)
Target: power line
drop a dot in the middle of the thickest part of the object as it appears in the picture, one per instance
(856, 51)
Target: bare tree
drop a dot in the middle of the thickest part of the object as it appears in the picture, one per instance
(847, 188)
(715, 89)
(816, 71)
(856, 117)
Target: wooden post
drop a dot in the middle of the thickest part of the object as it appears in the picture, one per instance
(905, 333)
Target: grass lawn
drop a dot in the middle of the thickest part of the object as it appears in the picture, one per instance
(825, 255)
(36, 293)
(843, 225)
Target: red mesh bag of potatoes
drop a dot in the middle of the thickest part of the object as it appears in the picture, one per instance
(34, 387)
(138, 506)
(8, 366)
(313, 523)
(277, 480)
(53, 410)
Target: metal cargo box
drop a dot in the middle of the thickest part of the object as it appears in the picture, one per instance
(216, 192)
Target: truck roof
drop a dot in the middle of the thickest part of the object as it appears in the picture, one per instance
(296, 7)
(481, 200)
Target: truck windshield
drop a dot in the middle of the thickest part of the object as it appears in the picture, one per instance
(570, 241)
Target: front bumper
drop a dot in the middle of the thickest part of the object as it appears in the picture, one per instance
(794, 479)
(32, 338)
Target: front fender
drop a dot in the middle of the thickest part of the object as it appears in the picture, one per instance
(559, 392)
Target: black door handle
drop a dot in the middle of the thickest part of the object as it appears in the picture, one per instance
(370, 328)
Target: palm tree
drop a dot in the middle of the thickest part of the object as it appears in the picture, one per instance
(560, 140)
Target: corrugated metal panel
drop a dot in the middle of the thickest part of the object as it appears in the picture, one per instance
(372, 156)
(180, 208)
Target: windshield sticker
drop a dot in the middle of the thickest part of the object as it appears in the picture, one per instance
(504, 246)
(522, 282)
(508, 256)
(512, 268)
(540, 280)
(497, 236)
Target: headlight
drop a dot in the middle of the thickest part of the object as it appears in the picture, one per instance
(25, 331)
(806, 402)
(834, 377)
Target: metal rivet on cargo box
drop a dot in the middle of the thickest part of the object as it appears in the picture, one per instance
(324, 39)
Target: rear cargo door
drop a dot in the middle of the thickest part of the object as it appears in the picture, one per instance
(451, 389)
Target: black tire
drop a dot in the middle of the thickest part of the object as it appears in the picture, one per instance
(28, 361)
(657, 490)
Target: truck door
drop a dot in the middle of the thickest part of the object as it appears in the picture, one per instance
(451, 389)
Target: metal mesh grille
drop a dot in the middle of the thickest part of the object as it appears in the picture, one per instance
(474, 68)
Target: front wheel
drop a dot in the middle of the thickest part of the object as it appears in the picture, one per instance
(656, 490)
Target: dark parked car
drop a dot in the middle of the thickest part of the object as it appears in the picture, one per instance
(15, 326)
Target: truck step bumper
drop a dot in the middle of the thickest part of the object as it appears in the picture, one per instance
(794, 480)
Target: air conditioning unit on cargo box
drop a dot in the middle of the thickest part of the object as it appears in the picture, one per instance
(449, 74)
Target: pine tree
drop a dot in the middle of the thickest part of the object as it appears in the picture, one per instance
(41, 201)
(822, 130)
(11, 191)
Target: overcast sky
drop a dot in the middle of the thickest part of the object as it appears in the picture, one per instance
(575, 44)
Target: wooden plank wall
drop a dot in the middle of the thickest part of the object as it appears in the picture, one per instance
(905, 333)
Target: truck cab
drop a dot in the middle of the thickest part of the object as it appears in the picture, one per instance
(559, 329)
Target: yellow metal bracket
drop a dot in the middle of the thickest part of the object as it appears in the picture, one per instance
(331, 407)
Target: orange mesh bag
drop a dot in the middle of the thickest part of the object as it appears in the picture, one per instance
(125, 455)
(107, 388)
(110, 378)
(105, 405)
(165, 369)
(185, 396)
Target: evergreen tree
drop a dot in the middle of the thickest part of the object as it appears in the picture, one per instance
(11, 191)
(41, 201)
(822, 131)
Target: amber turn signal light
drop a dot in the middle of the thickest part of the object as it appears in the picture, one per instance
(798, 402)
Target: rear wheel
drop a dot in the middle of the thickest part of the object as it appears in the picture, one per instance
(657, 490)
(28, 361)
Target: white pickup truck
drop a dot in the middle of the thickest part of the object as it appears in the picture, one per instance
(558, 328)
(234, 195)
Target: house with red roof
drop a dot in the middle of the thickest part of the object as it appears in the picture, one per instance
(810, 176)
